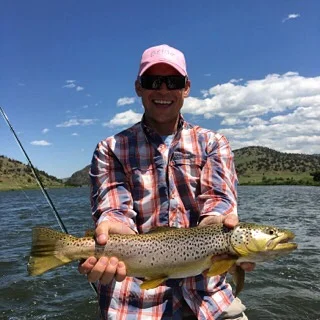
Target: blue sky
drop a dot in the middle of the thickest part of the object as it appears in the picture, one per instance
(68, 70)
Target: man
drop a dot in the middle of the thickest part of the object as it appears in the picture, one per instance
(162, 171)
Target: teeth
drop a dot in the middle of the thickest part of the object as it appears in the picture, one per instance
(162, 101)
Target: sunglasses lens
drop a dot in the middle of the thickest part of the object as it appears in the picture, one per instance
(175, 82)
(155, 82)
(150, 82)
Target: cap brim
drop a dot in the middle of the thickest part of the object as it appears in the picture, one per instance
(150, 64)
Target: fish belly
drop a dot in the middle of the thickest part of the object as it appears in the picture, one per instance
(167, 269)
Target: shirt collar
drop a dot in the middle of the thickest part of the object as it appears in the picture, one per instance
(150, 132)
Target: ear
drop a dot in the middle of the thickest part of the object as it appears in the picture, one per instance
(187, 89)
(138, 88)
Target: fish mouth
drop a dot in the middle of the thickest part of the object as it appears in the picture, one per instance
(282, 243)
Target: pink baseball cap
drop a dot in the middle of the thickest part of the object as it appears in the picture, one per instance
(163, 54)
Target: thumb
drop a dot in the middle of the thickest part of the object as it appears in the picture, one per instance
(231, 220)
(102, 233)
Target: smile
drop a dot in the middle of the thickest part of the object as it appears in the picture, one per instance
(163, 102)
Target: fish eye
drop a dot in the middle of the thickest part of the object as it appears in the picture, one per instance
(271, 232)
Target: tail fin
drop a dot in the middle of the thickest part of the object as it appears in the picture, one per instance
(46, 253)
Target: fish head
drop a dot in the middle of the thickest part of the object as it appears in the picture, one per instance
(252, 239)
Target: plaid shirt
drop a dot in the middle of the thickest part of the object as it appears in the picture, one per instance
(139, 181)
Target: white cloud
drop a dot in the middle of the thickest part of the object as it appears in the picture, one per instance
(45, 130)
(236, 80)
(126, 118)
(69, 86)
(274, 93)
(280, 112)
(205, 93)
(21, 84)
(207, 74)
(74, 134)
(42, 143)
(125, 101)
(76, 122)
(279, 136)
(291, 16)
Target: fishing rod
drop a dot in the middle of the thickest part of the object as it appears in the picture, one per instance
(44, 191)
(42, 188)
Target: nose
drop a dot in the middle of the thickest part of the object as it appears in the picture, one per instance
(163, 87)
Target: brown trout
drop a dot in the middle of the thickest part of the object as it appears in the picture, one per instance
(166, 253)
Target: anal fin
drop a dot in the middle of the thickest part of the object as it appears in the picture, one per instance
(220, 266)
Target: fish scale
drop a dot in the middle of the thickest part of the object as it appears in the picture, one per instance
(166, 253)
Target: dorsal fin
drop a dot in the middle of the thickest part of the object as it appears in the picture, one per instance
(90, 233)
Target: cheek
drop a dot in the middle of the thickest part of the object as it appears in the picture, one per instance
(180, 97)
(145, 98)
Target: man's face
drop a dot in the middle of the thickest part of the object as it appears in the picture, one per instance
(162, 106)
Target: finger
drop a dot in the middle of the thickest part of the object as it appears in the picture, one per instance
(211, 220)
(231, 220)
(85, 266)
(121, 272)
(120, 228)
(98, 270)
(102, 232)
(110, 271)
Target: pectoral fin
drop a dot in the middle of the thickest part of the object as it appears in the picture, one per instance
(220, 266)
(238, 279)
(152, 283)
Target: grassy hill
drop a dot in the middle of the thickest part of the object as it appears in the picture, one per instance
(16, 175)
(260, 165)
(79, 178)
(254, 165)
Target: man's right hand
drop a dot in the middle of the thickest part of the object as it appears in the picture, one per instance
(106, 268)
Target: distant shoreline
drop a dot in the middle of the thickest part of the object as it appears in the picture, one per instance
(240, 184)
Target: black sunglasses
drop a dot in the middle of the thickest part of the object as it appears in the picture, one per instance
(155, 82)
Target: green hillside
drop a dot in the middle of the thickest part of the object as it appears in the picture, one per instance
(260, 165)
(16, 175)
(79, 178)
(254, 165)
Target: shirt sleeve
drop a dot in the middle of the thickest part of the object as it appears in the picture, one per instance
(111, 199)
(218, 180)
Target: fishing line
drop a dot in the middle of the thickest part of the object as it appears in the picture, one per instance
(32, 203)
(43, 190)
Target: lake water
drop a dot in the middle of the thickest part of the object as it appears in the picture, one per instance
(288, 288)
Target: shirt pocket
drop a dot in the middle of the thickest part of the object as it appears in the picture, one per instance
(188, 168)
